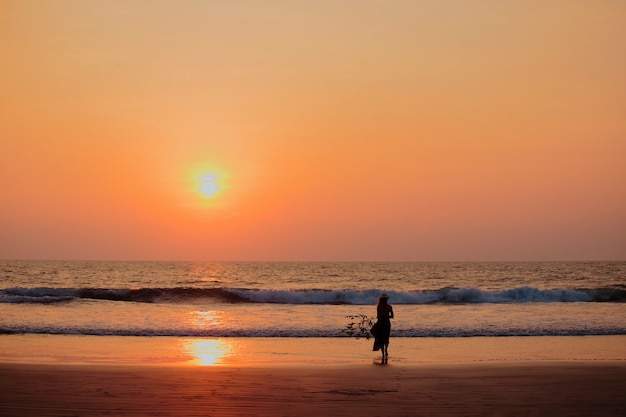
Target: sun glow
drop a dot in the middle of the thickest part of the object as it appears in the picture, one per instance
(208, 182)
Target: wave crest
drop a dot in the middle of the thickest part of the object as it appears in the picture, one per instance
(311, 296)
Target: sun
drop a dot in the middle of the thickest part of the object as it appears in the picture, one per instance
(208, 183)
(208, 186)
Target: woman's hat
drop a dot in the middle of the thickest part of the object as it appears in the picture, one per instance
(383, 296)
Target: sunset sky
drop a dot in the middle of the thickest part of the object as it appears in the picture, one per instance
(313, 130)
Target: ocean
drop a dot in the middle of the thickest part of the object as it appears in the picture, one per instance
(311, 300)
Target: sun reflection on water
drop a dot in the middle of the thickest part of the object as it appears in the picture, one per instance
(203, 319)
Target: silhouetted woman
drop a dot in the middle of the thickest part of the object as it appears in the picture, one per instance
(382, 328)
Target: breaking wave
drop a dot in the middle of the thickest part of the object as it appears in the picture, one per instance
(19, 295)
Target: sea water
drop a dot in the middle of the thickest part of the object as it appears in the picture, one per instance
(310, 300)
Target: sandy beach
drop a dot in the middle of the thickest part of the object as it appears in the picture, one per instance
(509, 389)
(95, 376)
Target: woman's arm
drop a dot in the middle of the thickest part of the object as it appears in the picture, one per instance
(390, 312)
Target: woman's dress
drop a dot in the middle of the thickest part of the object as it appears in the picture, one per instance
(381, 331)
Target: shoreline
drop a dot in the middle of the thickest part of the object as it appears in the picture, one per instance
(54, 376)
(193, 351)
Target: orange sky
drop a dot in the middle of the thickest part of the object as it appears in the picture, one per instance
(334, 130)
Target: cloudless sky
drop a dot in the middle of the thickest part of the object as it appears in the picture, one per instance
(313, 130)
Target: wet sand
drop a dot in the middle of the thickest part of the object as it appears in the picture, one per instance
(47, 375)
(483, 389)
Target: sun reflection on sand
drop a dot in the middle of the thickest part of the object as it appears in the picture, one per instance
(208, 352)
